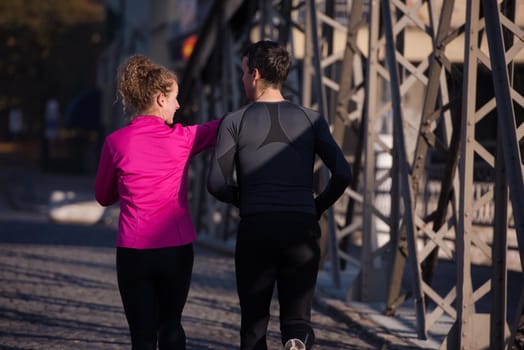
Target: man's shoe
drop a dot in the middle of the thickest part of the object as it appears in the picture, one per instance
(294, 344)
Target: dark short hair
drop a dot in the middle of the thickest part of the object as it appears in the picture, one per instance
(272, 60)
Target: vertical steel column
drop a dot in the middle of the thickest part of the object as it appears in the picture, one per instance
(465, 303)
(403, 167)
(197, 173)
(307, 63)
(266, 26)
(327, 37)
(470, 329)
(331, 58)
(432, 112)
(345, 128)
(509, 144)
(289, 10)
(506, 116)
(379, 110)
(284, 25)
(366, 286)
(465, 307)
(499, 304)
(425, 139)
(322, 108)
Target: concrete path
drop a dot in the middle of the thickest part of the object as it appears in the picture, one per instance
(58, 282)
(58, 291)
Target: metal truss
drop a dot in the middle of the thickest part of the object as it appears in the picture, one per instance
(420, 235)
(364, 92)
(471, 327)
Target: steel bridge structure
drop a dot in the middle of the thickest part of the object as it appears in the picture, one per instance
(424, 99)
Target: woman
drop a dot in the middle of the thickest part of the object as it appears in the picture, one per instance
(144, 166)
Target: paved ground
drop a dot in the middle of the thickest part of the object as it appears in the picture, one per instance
(58, 288)
(58, 291)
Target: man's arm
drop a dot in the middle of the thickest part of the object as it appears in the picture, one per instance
(334, 159)
(220, 182)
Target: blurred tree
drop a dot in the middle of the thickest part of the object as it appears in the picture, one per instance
(47, 48)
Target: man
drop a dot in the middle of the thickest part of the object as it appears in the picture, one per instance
(271, 144)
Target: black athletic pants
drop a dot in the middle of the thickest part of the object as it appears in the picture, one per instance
(282, 250)
(154, 284)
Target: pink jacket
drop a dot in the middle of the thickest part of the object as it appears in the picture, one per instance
(144, 165)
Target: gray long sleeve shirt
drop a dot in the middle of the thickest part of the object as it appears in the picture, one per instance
(272, 148)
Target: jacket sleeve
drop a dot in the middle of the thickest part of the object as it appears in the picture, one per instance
(334, 159)
(106, 190)
(220, 182)
(204, 135)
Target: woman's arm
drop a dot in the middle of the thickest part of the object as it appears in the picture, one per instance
(106, 191)
(204, 135)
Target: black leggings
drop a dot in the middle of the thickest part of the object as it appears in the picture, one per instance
(154, 284)
(282, 251)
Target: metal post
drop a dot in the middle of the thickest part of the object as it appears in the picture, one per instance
(362, 289)
(345, 128)
(509, 143)
(405, 184)
(432, 111)
(321, 103)
(470, 329)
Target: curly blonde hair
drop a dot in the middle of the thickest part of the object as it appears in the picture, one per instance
(139, 80)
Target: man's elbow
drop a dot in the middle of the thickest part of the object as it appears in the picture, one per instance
(344, 176)
(222, 193)
(213, 192)
(348, 178)
(214, 189)
(211, 186)
(342, 180)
